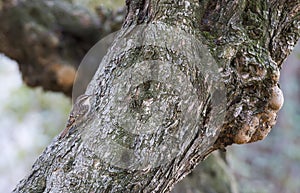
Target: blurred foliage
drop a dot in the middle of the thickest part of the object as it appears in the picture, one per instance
(29, 120)
(53, 108)
(113, 4)
(20, 103)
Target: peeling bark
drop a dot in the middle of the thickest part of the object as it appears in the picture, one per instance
(249, 40)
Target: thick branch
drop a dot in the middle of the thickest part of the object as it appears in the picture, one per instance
(119, 101)
(49, 38)
(62, 74)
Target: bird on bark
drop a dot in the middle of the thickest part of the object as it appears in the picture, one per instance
(78, 115)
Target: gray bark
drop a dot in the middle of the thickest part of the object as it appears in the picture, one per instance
(248, 40)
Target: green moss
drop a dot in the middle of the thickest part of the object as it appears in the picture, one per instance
(208, 35)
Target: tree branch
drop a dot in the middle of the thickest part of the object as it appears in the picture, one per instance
(238, 34)
(49, 39)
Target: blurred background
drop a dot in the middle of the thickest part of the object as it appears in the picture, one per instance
(273, 165)
(30, 118)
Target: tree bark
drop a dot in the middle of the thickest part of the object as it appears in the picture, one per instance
(38, 70)
(248, 40)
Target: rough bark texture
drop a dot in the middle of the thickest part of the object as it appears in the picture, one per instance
(249, 40)
(38, 70)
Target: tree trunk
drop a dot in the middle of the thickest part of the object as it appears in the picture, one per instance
(181, 79)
